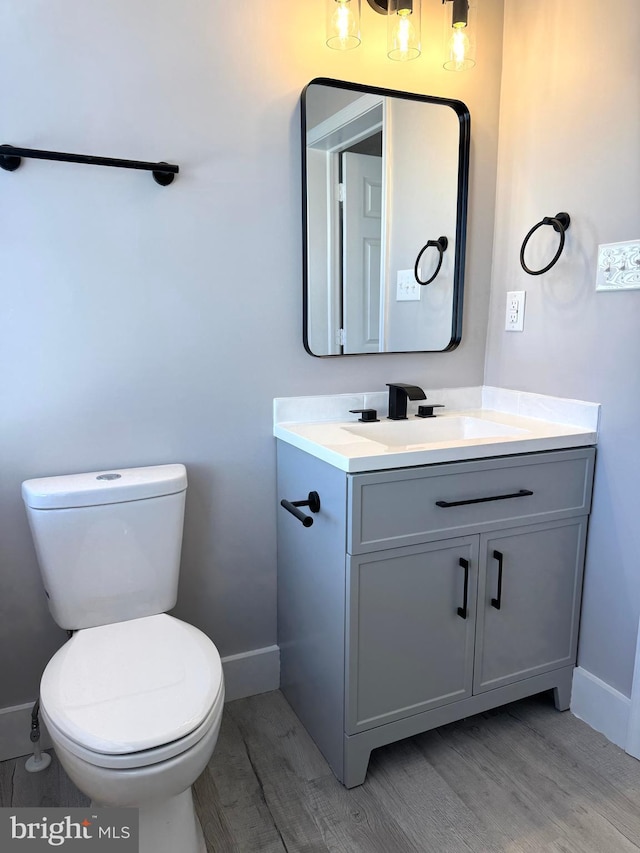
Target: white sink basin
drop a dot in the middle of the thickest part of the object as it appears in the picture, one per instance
(419, 431)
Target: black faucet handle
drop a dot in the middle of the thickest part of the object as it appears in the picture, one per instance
(427, 411)
(369, 416)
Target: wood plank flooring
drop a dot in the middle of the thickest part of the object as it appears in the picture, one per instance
(522, 779)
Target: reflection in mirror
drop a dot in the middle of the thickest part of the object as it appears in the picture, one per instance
(384, 177)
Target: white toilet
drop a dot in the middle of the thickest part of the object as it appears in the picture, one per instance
(133, 701)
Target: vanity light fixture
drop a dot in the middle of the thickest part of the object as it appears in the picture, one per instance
(403, 27)
(460, 37)
(403, 30)
(343, 24)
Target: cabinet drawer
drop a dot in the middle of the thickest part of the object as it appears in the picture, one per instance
(412, 505)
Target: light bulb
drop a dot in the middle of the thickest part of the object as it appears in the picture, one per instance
(403, 39)
(343, 24)
(460, 48)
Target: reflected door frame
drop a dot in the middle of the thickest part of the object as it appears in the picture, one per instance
(361, 251)
(350, 125)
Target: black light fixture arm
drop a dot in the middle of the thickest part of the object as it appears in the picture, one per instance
(560, 223)
(383, 7)
(11, 158)
(441, 245)
(379, 6)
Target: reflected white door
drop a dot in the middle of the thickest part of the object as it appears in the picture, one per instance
(361, 233)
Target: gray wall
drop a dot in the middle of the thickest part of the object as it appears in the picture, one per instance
(569, 140)
(142, 325)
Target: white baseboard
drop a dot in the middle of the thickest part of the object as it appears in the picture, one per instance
(633, 733)
(600, 706)
(15, 728)
(249, 673)
(246, 674)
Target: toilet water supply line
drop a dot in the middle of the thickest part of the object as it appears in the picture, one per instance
(39, 760)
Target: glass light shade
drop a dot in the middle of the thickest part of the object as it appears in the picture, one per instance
(460, 35)
(403, 30)
(343, 24)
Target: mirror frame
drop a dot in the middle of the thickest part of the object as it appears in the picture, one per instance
(464, 119)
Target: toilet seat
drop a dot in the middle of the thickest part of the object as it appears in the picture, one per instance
(133, 693)
(136, 760)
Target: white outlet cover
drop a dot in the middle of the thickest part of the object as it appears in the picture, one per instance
(618, 266)
(514, 318)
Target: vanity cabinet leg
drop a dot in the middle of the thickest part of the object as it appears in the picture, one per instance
(562, 691)
(356, 761)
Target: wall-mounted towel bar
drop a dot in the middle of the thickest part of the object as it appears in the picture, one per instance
(560, 222)
(441, 245)
(11, 157)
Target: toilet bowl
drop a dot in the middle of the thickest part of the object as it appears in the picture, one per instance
(133, 701)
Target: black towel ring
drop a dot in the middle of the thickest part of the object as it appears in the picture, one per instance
(441, 245)
(560, 222)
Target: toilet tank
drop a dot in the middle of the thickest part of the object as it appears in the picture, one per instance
(108, 543)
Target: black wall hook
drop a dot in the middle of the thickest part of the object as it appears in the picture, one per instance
(11, 158)
(560, 223)
(441, 245)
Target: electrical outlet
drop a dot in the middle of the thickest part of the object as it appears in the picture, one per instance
(407, 288)
(514, 320)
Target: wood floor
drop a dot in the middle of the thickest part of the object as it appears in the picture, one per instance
(523, 779)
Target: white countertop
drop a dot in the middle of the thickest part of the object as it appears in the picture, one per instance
(333, 441)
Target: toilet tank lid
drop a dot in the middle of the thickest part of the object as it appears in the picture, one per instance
(104, 487)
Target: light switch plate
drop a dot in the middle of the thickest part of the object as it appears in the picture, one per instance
(618, 266)
(407, 288)
(514, 319)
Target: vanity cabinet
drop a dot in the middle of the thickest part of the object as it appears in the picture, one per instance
(423, 595)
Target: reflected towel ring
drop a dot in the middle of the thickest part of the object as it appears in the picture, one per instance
(441, 245)
(560, 222)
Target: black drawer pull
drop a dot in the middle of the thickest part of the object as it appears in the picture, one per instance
(496, 602)
(462, 611)
(312, 501)
(521, 494)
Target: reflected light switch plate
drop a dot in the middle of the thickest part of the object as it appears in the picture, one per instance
(407, 288)
(618, 266)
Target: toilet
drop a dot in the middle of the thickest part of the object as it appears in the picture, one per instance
(133, 700)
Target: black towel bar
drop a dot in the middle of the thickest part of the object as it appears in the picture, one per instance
(560, 223)
(441, 245)
(11, 158)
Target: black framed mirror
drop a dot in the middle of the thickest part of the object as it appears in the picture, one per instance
(385, 184)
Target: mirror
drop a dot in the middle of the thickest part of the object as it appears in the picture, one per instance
(385, 175)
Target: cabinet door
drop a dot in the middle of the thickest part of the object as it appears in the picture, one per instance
(527, 622)
(410, 643)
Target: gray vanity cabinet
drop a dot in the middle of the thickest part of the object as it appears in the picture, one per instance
(536, 627)
(392, 616)
(409, 648)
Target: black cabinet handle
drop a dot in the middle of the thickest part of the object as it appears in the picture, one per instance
(496, 602)
(521, 494)
(312, 501)
(462, 611)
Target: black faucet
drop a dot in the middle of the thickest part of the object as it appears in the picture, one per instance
(399, 392)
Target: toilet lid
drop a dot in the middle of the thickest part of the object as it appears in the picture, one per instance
(132, 686)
